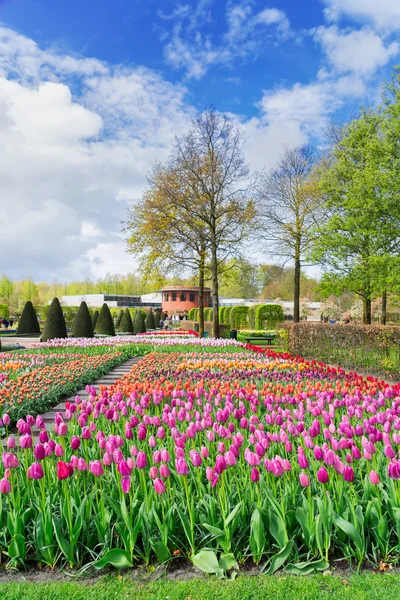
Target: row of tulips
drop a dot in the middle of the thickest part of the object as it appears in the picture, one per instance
(221, 457)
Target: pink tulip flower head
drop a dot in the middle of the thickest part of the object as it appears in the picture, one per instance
(35, 471)
(159, 486)
(322, 475)
(374, 478)
(5, 486)
(304, 480)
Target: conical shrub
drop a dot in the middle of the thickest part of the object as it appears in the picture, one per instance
(150, 323)
(82, 326)
(105, 323)
(55, 326)
(139, 325)
(157, 317)
(95, 316)
(28, 322)
(126, 324)
(118, 321)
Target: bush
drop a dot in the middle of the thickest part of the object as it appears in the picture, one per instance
(157, 317)
(221, 314)
(4, 311)
(28, 323)
(269, 315)
(150, 324)
(82, 326)
(228, 310)
(196, 315)
(126, 324)
(105, 323)
(139, 324)
(119, 317)
(95, 316)
(55, 326)
(191, 314)
(238, 317)
(208, 314)
(251, 316)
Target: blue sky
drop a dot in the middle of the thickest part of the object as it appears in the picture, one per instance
(91, 93)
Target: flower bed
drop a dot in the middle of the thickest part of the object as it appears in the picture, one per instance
(221, 457)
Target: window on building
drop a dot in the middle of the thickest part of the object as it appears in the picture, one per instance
(166, 297)
(183, 297)
(173, 296)
(192, 297)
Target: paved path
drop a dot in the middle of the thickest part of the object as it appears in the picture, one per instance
(108, 379)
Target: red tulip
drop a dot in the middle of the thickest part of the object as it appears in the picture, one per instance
(63, 470)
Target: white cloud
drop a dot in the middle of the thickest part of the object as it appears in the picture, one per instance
(361, 51)
(384, 14)
(246, 34)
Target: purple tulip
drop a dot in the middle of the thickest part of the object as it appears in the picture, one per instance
(5, 486)
(322, 475)
(39, 452)
(25, 441)
(141, 460)
(126, 484)
(35, 471)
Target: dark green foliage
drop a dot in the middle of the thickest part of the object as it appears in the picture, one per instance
(139, 325)
(105, 323)
(28, 322)
(126, 324)
(268, 316)
(238, 317)
(118, 321)
(82, 326)
(150, 324)
(55, 326)
(157, 317)
(251, 316)
(191, 314)
(95, 316)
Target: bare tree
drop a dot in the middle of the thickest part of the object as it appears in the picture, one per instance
(288, 207)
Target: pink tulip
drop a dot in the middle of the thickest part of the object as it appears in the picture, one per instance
(322, 475)
(75, 442)
(389, 452)
(59, 450)
(43, 437)
(164, 471)
(6, 421)
(35, 471)
(25, 441)
(181, 466)
(153, 472)
(5, 486)
(374, 478)
(82, 464)
(10, 461)
(123, 468)
(165, 457)
(159, 486)
(126, 484)
(255, 474)
(141, 460)
(96, 468)
(348, 474)
(304, 480)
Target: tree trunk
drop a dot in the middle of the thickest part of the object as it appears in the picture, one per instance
(201, 293)
(366, 311)
(215, 296)
(297, 268)
(384, 308)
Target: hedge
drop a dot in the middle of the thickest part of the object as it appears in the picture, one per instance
(139, 324)
(238, 317)
(157, 317)
(268, 316)
(119, 317)
(55, 326)
(251, 316)
(196, 315)
(150, 324)
(208, 327)
(95, 316)
(28, 322)
(191, 314)
(105, 323)
(126, 325)
(208, 314)
(82, 325)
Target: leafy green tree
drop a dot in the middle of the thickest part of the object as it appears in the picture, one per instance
(105, 323)
(358, 245)
(82, 324)
(28, 322)
(54, 326)
(126, 324)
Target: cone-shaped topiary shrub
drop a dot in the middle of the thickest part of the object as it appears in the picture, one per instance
(95, 316)
(119, 317)
(139, 325)
(28, 322)
(82, 325)
(150, 323)
(55, 326)
(126, 324)
(105, 323)
(157, 317)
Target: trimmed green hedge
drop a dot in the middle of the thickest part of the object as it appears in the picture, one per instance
(55, 326)
(105, 323)
(208, 314)
(251, 316)
(192, 313)
(126, 325)
(238, 317)
(28, 323)
(196, 315)
(82, 325)
(150, 324)
(269, 315)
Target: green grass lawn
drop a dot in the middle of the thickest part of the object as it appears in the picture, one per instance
(355, 587)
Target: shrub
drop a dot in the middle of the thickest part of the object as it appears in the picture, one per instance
(4, 311)
(119, 317)
(157, 317)
(82, 324)
(55, 326)
(191, 314)
(269, 315)
(126, 324)
(238, 317)
(251, 316)
(150, 324)
(228, 310)
(139, 324)
(208, 314)
(95, 316)
(196, 315)
(105, 323)
(28, 322)
(221, 314)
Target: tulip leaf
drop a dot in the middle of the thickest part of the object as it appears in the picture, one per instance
(216, 531)
(306, 568)
(233, 514)
(207, 561)
(278, 559)
(120, 559)
(227, 562)
(17, 548)
(278, 530)
(350, 531)
(161, 551)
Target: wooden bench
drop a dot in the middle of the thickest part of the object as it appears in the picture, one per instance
(267, 338)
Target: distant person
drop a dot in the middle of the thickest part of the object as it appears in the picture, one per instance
(11, 322)
(161, 324)
(5, 323)
(166, 323)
